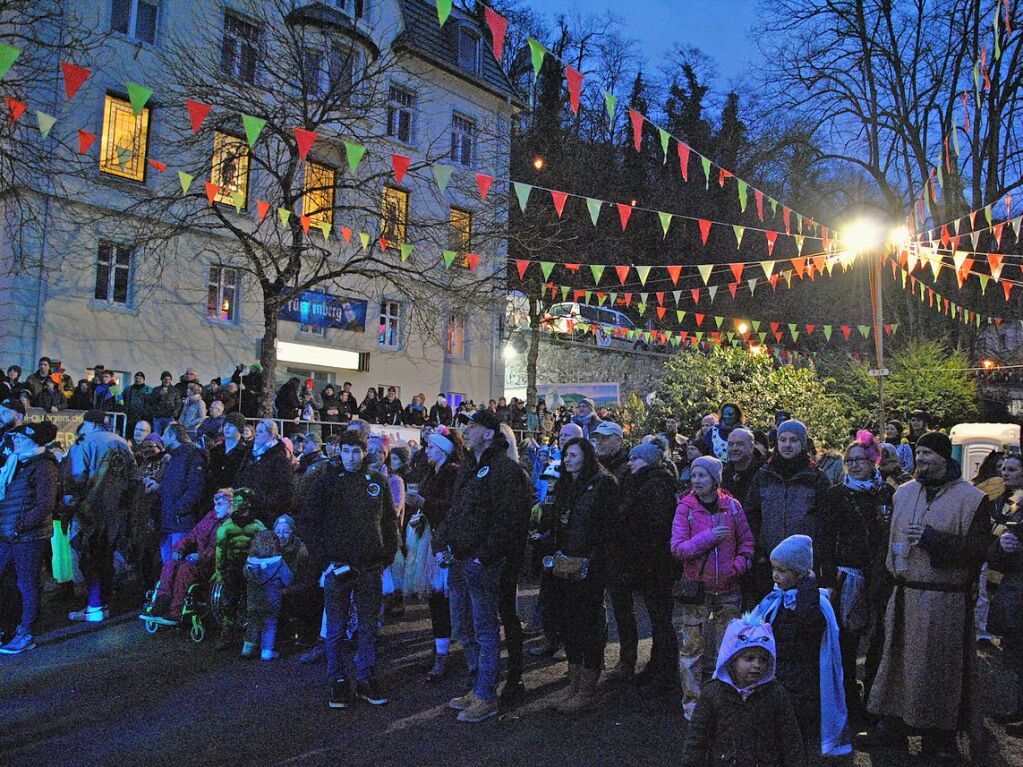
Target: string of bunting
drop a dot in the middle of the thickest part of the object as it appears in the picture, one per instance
(962, 264)
(942, 304)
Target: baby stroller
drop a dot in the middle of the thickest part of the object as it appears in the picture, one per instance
(202, 603)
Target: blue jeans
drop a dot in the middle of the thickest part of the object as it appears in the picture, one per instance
(475, 622)
(167, 544)
(27, 557)
(262, 629)
(367, 585)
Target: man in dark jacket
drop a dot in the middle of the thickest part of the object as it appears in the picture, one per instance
(182, 488)
(743, 464)
(30, 487)
(267, 470)
(165, 401)
(607, 438)
(389, 410)
(789, 496)
(440, 412)
(353, 534)
(137, 402)
(483, 531)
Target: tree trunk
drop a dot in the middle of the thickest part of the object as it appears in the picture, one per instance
(534, 351)
(268, 357)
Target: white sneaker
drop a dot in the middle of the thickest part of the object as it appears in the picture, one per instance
(89, 615)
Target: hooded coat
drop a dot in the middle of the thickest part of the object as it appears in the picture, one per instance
(648, 510)
(267, 577)
(754, 727)
(272, 478)
(718, 565)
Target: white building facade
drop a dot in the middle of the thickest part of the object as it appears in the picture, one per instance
(79, 291)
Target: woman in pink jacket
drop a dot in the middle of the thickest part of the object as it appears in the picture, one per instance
(713, 540)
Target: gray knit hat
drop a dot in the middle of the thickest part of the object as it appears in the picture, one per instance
(796, 427)
(795, 553)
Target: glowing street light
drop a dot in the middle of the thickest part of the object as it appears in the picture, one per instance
(538, 163)
(988, 364)
(862, 235)
(743, 328)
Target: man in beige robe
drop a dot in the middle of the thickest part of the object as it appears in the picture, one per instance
(940, 531)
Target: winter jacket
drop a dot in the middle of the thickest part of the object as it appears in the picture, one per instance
(369, 410)
(48, 399)
(648, 509)
(440, 415)
(193, 413)
(137, 402)
(267, 578)
(778, 506)
(182, 488)
(737, 481)
(353, 519)
(617, 465)
(102, 479)
(489, 515)
(1006, 613)
(222, 467)
(296, 556)
(107, 397)
(80, 400)
(585, 510)
(332, 410)
(209, 430)
(165, 402)
(35, 383)
(287, 403)
(389, 411)
(202, 540)
(26, 509)
(692, 541)
(414, 415)
(861, 533)
(437, 488)
(271, 476)
(234, 536)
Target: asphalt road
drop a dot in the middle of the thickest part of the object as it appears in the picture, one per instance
(119, 696)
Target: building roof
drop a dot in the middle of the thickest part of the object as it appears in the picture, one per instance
(320, 15)
(426, 38)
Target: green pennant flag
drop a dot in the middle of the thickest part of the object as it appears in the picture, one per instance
(285, 215)
(983, 283)
(774, 208)
(756, 325)
(987, 214)
(46, 123)
(768, 267)
(522, 192)
(643, 272)
(449, 258)
(364, 239)
(793, 331)
(238, 198)
(406, 251)
(536, 53)
(719, 321)
(864, 330)
(546, 267)
(593, 206)
(955, 141)
(799, 243)
(442, 175)
(998, 41)
(8, 55)
(186, 181)
(739, 232)
(643, 297)
(609, 104)
(827, 332)
(665, 221)
(323, 226)
(564, 292)
(705, 162)
(641, 308)
(612, 297)
(705, 270)
(665, 138)
(894, 328)
(586, 298)
(699, 335)
(601, 299)
(354, 152)
(597, 271)
(743, 189)
(253, 127)
(138, 97)
(799, 222)
(443, 10)
(680, 315)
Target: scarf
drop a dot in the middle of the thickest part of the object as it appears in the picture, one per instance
(833, 710)
(258, 450)
(789, 467)
(863, 485)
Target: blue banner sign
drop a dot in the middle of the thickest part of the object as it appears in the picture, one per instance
(324, 310)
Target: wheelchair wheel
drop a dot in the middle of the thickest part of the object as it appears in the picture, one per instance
(152, 627)
(198, 632)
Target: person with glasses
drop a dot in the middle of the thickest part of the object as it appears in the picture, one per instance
(861, 507)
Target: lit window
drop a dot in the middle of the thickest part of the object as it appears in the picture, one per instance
(238, 48)
(469, 50)
(389, 332)
(113, 273)
(222, 294)
(394, 215)
(230, 167)
(318, 193)
(461, 230)
(401, 105)
(463, 137)
(125, 140)
(456, 336)
(137, 19)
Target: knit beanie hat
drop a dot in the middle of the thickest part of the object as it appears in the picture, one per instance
(795, 553)
(709, 464)
(237, 420)
(40, 432)
(647, 451)
(796, 427)
(938, 442)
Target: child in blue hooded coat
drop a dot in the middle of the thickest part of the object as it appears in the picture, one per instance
(744, 715)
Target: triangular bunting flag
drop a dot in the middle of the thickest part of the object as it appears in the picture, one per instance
(705, 162)
(364, 239)
(768, 267)
(683, 159)
(304, 141)
(262, 208)
(449, 258)
(443, 10)
(138, 97)
(623, 273)
(752, 284)
(827, 332)
(285, 215)
(442, 175)
(536, 54)
(665, 138)
(994, 261)
(665, 221)
(323, 226)
(498, 29)
(197, 112)
(711, 292)
(705, 270)
(864, 330)
(212, 190)
(771, 236)
(46, 123)
(399, 165)
(74, 77)
(85, 140)
(16, 109)
(559, 198)
(186, 181)
(522, 192)
(597, 271)
(737, 271)
(253, 128)
(739, 232)
(160, 166)
(354, 154)
(8, 55)
(637, 128)
(743, 190)
(674, 272)
(483, 182)
(704, 229)
(521, 264)
(406, 251)
(575, 87)
(307, 221)
(593, 206)
(609, 103)
(624, 212)
(546, 267)
(643, 272)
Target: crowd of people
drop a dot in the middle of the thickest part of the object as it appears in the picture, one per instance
(766, 569)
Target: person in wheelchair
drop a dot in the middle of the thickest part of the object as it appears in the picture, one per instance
(192, 561)
(234, 538)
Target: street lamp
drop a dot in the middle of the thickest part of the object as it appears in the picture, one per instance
(743, 328)
(538, 163)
